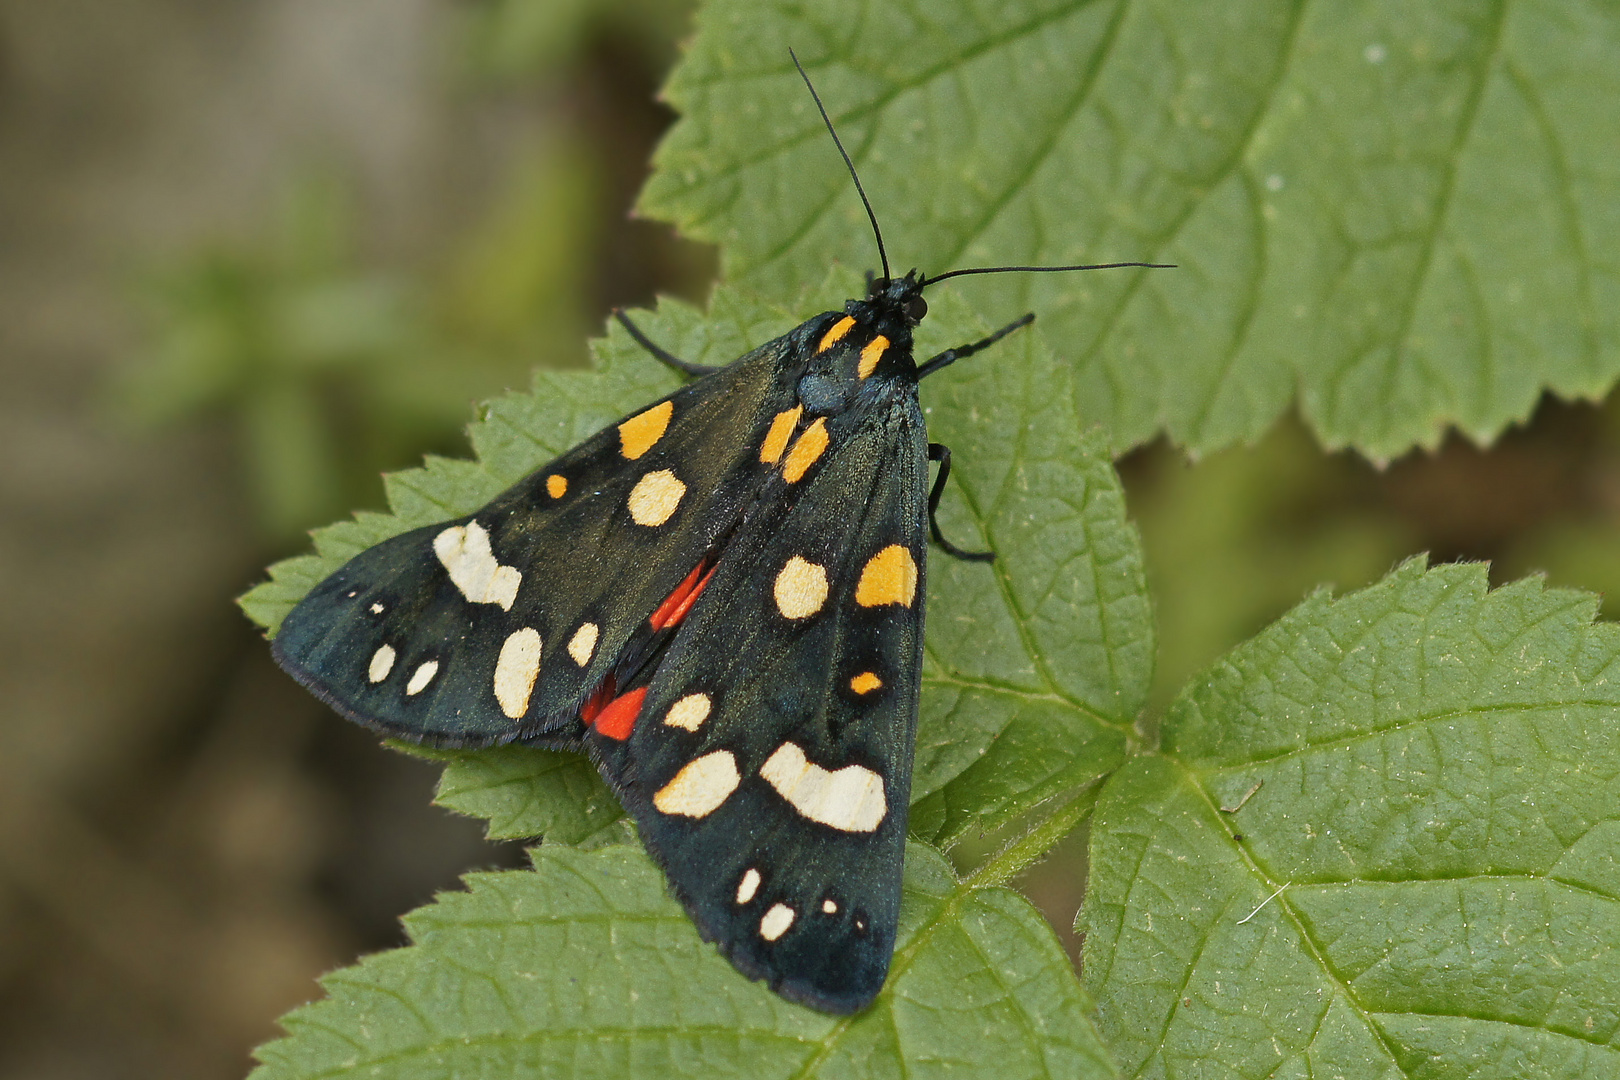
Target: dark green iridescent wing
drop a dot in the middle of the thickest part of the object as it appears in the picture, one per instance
(495, 627)
(769, 770)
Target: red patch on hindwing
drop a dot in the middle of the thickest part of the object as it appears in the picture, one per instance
(613, 715)
(690, 599)
(599, 699)
(679, 602)
(618, 718)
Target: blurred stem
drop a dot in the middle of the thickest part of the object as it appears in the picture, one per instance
(1032, 846)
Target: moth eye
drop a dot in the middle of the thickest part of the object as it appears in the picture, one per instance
(916, 309)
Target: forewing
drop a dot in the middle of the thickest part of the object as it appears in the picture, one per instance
(770, 768)
(495, 627)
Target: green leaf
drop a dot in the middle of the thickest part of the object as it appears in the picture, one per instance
(586, 968)
(1401, 214)
(1037, 663)
(522, 791)
(1381, 841)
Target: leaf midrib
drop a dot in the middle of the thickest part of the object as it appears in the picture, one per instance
(1338, 742)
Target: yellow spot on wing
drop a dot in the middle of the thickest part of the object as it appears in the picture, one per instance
(689, 712)
(654, 498)
(865, 683)
(468, 559)
(801, 588)
(382, 662)
(836, 333)
(806, 449)
(848, 799)
(421, 678)
(515, 671)
(776, 922)
(556, 486)
(700, 787)
(583, 643)
(889, 577)
(871, 355)
(748, 886)
(770, 451)
(638, 434)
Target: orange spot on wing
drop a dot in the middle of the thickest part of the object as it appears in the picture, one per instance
(806, 449)
(556, 486)
(871, 355)
(618, 718)
(776, 439)
(889, 577)
(638, 434)
(836, 334)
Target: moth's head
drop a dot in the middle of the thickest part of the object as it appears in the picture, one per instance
(867, 347)
(892, 306)
(899, 298)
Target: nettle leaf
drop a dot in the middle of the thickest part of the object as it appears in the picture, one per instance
(585, 967)
(1401, 214)
(1039, 663)
(1381, 842)
(521, 791)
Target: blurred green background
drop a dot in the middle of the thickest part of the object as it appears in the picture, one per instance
(252, 254)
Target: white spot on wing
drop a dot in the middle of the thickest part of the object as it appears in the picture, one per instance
(700, 787)
(382, 662)
(776, 922)
(748, 887)
(377, 609)
(464, 550)
(421, 677)
(689, 712)
(516, 670)
(654, 498)
(583, 644)
(830, 906)
(801, 588)
(850, 799)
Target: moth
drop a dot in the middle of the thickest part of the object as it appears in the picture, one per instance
(718, 598)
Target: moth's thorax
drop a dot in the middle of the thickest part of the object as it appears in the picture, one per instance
(866, 350)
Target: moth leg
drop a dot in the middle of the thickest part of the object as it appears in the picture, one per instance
(659, 353)
(941, 453)
(950, 356)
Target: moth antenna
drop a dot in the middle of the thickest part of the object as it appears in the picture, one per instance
(937, 278)
(883, 256)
